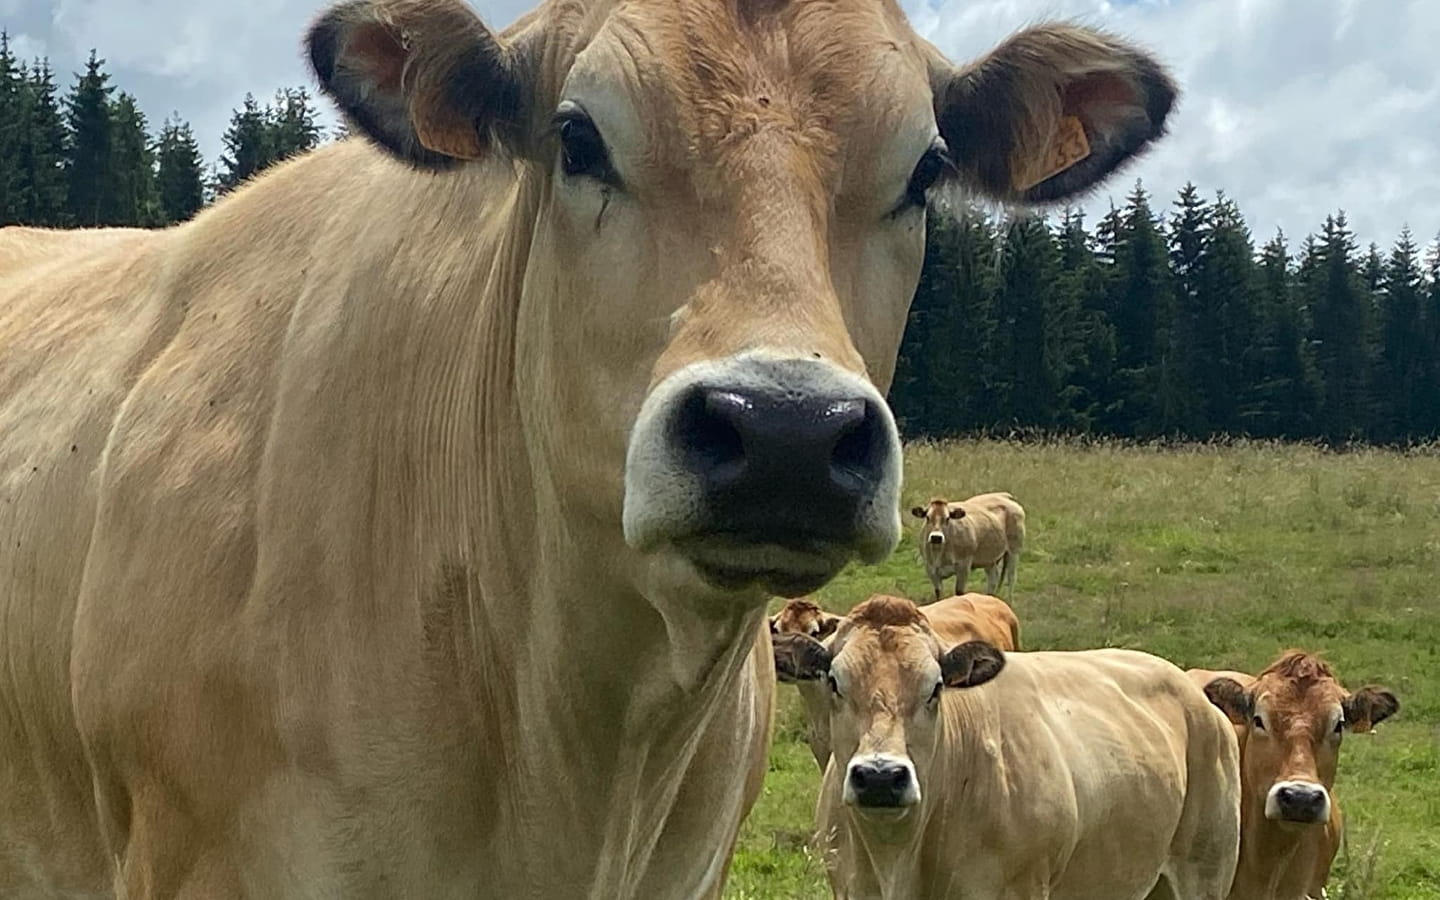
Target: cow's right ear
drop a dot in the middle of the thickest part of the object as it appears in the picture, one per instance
(971, 664)
(799, 657)
(424, 79)
(917, 511)
(1231, 699)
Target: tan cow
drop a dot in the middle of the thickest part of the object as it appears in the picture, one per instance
(986, 532)
(954, 619)
(1290, 720)
(402, 525)
(960, 771)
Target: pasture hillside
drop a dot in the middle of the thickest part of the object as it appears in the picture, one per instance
(1208, 556)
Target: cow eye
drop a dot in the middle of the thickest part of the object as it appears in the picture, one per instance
(582, 150)
(1258, 723)
(928, 170)
(1339, 726)
(834, 687)
(935, 694)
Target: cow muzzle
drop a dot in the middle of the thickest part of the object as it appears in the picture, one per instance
(764, 471)
(881, 782)
(937, 539)
(1298, 802)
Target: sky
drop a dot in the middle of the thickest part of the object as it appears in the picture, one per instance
(1294, 108)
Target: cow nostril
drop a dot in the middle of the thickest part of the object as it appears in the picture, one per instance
(900, 777)
(855, 452)
(705, 428)
(935, 538)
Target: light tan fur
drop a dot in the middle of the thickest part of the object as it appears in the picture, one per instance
(315, 580)
(1298, 697)
(989, 535)
(1071, 775)
(955, 619)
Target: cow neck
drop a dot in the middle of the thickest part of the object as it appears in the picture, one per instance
(1271, 860)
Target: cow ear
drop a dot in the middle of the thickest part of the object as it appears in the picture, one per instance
(799, 657)
(424, 79)
(1368, 707)
(1051, 112)
(827, 625)
(917, 511)
(970, 664)
(1231, 699)
(957, 513)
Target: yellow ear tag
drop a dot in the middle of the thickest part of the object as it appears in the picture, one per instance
(1068, 146)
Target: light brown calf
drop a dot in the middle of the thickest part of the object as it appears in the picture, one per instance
(956, 619)
(986, 532)
(964, 773)
(1289, 721)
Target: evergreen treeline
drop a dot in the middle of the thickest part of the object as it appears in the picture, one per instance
(1150, 325)
(89, 158)
(1169, 326)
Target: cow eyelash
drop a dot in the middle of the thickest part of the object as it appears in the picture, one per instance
(582, 150)
(935, 694)
(1258, 723)
(834, 686)
(928, 171)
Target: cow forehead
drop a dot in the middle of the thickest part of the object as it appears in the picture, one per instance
(891, 661)
(695, 85)
(1299, 699)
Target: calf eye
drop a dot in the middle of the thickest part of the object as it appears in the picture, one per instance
(582, 150)
(1258, 723)
(935, 694)
(834, 688)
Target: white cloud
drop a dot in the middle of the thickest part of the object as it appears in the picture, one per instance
(1293, 107)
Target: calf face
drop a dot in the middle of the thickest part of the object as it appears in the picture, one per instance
(936, 515)
(886, 671)
(1291, 721)
(802, 616)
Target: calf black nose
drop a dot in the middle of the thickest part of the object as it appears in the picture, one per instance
(1301, 803)
(879, 785)
(937, 538)
(783, 467)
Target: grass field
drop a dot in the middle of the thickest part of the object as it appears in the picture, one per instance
(1210, 556)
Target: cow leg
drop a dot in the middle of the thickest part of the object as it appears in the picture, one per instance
(1012, 564)
(962, 574)
(937, 581)
(992, 576)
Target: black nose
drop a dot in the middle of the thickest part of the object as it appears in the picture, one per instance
(1300, 803)
(879, 785)
(784, 467)
(937, 538)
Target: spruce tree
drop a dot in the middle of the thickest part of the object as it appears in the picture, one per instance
(1226, 321)
(1189, 357)
(133, 202)
(1340, 307)
(90, 173)
(292, 124)
(1403, 359)
(1284, 401)
(1031, 347)
(1430, 417)
(180, 176)
(1082, 283)
(918, 383)
(42, 154)
(247, 144)
(1141, 312)
(13, 117)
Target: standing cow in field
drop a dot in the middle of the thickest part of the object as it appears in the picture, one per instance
(402, 525)
(1289, 720)
(986, 532)
(964, 773)
(955, 619)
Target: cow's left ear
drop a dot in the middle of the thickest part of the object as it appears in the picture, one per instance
(799, 657)
(1368, 707)
(970, 664)
(1231, 699)
(1051, 112)
(827, 625)
(424, 79)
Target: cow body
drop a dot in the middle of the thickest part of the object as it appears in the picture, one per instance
(969, 617)
(293, 605)
(1067, 775)
(986, 532)
(1288, 721)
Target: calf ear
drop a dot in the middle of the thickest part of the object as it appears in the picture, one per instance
(1231, 699)
(957, 513)
(1368, 707)
(917, 511)
(799, 657)
(828, 624)
(424, 79)
(970, 664)
(1051, 112)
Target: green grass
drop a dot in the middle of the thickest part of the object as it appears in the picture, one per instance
(1215, 557)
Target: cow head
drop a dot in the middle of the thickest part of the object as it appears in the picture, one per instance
(887, 671)
(802, 616)
(720, 208)
(1291, 721)
(936, 516)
